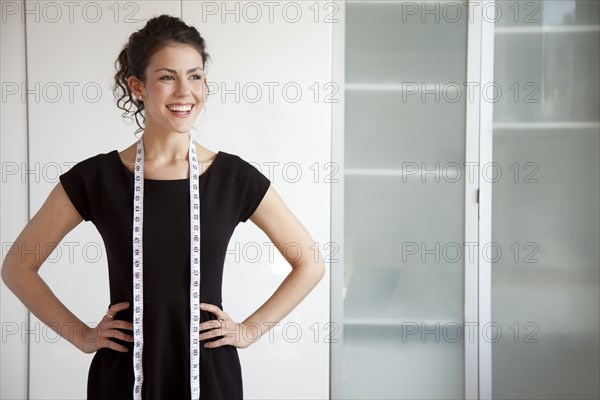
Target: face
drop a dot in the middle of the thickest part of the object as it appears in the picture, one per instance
(175, 88)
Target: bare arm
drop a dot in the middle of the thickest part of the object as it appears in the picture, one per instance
(45, 230)
(284, 229)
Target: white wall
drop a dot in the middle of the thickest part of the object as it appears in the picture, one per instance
(13, 201)
(65, 130)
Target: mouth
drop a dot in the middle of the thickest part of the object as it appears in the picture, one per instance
(180, 110)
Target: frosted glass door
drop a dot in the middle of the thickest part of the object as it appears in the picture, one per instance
(545, 206)
(403, 202)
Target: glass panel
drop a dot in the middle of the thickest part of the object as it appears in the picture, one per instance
(551, 77)
(404, 274)
(389, 132)
(546, 218)
(398, 42)
(527, 13)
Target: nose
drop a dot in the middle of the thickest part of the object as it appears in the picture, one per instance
(182, 88)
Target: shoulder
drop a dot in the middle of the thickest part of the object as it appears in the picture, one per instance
(234, 158)
(82, 182)
(236, 163)
(93, 163)
(226, 159)
(98, 159)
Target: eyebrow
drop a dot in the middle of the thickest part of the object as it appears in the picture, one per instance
(174, 72)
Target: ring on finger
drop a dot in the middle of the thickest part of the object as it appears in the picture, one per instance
(222, 321)
(108, 315)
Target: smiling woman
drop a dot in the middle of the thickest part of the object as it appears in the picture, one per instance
(168, 92)
(166, 224)
(135, 76)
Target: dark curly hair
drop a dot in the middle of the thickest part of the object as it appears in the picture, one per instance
(158, 33)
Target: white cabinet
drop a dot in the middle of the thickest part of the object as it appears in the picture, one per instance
(470, 150)
(545, 287)
(404, 201)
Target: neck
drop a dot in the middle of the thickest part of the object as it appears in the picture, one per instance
(165, 146)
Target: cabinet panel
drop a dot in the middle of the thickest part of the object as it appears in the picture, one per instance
(403, 257)
(546, 221)
(390, 131)
(396, 42)
(540, 13)
(546, 77)
(404, 200)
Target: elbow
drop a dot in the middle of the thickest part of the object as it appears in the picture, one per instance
(5, 274)
(9, 273)
(321, 271)
(312, 272)
(317, 272)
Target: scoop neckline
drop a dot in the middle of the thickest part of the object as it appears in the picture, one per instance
(206, 171)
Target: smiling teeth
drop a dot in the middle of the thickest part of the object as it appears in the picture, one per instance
(180, 108)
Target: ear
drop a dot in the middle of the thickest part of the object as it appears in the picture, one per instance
(136, 86)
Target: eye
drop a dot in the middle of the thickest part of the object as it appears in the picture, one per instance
(197, 77)
(166, 76)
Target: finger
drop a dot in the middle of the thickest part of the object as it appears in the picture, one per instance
(108, 316)
(120, 324)
(112, 345)
(109, 323)
(216, 343)
(212, 324)
(105, 328)
(118, 307)
(119, 335)
(211, 307)
(114, 309)
(211, 334)
(216, 311)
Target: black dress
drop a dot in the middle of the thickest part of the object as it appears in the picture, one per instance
(101, 189)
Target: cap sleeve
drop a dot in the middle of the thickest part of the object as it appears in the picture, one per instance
(253, 186)
(77, 184)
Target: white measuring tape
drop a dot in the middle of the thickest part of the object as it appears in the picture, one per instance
(138, 259)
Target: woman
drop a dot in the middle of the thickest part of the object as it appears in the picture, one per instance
(185, 202)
